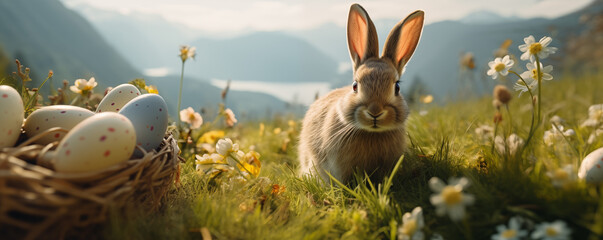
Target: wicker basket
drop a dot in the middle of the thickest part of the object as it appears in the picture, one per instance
(37, 202)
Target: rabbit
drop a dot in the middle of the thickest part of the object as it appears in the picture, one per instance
(362, 127)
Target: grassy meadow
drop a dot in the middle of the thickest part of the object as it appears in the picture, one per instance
(516, 173)
(278, 204)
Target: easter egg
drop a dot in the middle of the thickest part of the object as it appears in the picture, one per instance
(96, 143)
(591, 168)
(117, 98)
(11, 116)
(148, 114)
(63, 116)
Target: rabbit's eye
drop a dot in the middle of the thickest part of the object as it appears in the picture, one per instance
(397, 92)
(355, 86)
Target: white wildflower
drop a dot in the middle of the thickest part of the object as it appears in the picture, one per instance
(532, 73)
(522, 87)
(595, 116)
(512, 232)
(500, 67)
(532, 48)
(562, 176)
(225, 146)
(450, 199)
(556, 134)
(412, 223)
(557, 230)
(513, 143)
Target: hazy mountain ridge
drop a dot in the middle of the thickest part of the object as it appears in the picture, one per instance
(263, 56)
(45, 35)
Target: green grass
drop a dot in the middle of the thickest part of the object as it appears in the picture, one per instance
(443, 144)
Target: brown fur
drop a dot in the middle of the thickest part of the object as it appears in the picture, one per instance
(347, 131)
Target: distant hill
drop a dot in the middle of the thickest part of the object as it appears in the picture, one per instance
(45, 35)
(486, 17)
(263, 56)
(147, 40)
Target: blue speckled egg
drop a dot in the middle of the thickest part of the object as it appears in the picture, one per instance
(148, 113)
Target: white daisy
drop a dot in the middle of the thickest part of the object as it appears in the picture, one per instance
(500, 66)
(556, 134)
(532, 73)
(412, 223)
(595, 116)
(513, 143)
(522, 87)
(557, 230)
(513, 232)
(450, 199)
(562, 176)
(532, 48)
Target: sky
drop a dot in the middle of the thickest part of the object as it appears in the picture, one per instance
(223, 16)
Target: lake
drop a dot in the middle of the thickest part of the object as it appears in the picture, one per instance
(290, 92)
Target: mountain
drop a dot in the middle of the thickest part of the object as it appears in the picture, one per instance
(151, 42)
(148, 41)
(263, 56)
(486, 17)
(45, 35)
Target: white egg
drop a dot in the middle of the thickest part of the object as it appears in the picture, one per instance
(11, 116)
(96, 143)
(117, 98)
(148, 114)
(63, 116)
(591, 168)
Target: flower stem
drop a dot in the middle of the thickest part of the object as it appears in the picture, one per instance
(180, 92)
(33, 99)
(532, 129)
(539, 74)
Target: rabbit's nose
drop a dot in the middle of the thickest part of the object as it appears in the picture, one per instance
(375, 116)
(374, 111)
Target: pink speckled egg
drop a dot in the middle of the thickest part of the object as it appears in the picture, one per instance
(11, 116)
(591, 168)
(117, 98)
(96, 143)
(148, 114)
(63, 116)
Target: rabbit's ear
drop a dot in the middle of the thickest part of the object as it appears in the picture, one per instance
(362, 36)
(403, 39)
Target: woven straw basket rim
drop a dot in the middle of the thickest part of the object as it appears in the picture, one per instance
(36, 200)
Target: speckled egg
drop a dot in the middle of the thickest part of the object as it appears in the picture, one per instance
(63, 116)
(96, 143)
(11, 116)
(148, 114)
(117, 98)
(591, 168)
